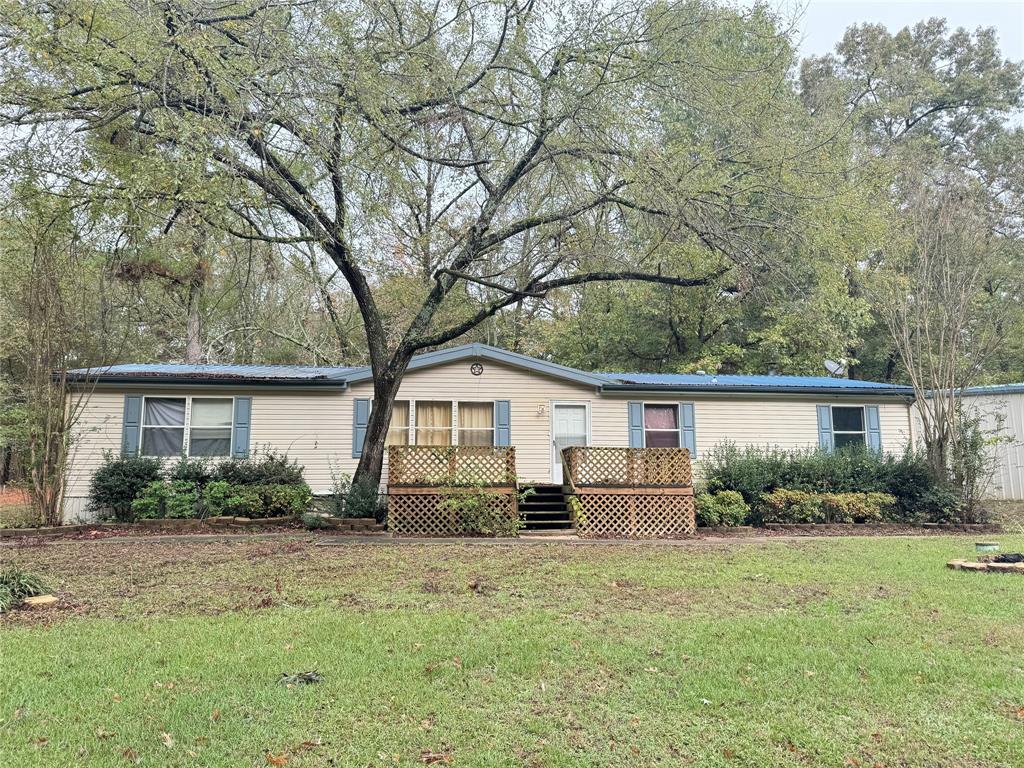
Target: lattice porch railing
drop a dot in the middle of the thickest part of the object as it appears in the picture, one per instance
(420, 478)
(632, 493)
(451, 466)
(629, 467)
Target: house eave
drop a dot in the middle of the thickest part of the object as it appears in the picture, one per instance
(754, 389)
(203, 382)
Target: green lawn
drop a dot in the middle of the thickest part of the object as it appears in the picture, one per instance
(838, 652)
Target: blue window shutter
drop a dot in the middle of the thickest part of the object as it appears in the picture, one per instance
(874, 430)
(502, 422)
(687, 429)
(636, 424)
(825, 439)
(242, 428)
(360, 418)
(131, 425)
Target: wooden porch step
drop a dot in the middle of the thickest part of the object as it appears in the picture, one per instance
(545, 509)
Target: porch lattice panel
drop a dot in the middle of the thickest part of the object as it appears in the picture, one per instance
(664, 467)
(463, 465)
(636, 515)
(419, 511)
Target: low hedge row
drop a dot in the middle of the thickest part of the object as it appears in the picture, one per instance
(185, 499)
(137, 487)
(756, 472)
(787, 506)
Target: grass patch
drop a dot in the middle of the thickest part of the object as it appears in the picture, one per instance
(823, 653)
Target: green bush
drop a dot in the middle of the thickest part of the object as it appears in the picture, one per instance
(479, 515)
(215, 498)
(151, 502)
(266, 469)
(784, 505)
(118, 481)
(182, 500)
(16, 585)
(721, 508)
(196, 470)
(244, 501)
(282, 500)
(348, 499)
(756, 472)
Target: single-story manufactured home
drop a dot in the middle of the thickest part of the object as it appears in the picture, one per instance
(469, 395)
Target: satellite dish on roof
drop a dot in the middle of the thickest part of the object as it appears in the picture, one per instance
(836, 369)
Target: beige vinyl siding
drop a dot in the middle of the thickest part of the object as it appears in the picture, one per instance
(312, 426)
(1002, 417)
(315, 426)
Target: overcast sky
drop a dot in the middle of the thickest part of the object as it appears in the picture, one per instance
(822, 22)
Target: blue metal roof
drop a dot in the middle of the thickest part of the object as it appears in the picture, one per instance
(734, 382)
(995, 389)
(265, 373)
(304, 375)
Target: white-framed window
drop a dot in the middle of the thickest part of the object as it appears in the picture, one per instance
(190, 426)
(476, 423)
(848, 427)
(398, 427)
(661, 425)
(442, 422)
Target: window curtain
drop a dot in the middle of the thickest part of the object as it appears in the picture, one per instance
(476, 424)
(398, 429)
(433, 423)
(210, 429)
(661, 426)
(163, 426)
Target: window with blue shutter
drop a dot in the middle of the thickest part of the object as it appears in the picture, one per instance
(241, 428)
(874, 425)
(360, 420)
(502, 422)
(636, 423)
(131, 424)
(825, 427)
(687, 429)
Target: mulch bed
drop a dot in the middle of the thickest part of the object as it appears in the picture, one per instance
(91, 531)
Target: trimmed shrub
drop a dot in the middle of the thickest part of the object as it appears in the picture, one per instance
(267, 469)
(784, 505)
(721, 508)
(756, 472)
(215, 498)
(196, 470)
(244, 501)
(151, 502)
(182, 500)
(348, 499)
(280, 500)
(118, 481)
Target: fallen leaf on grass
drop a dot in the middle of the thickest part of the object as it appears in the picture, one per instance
(429, 757)
(167, 739)
(40, 741)
(131, 755)
(215, 715)
(728, 754)
(281, 759)
(1020, 713)
(103, 733)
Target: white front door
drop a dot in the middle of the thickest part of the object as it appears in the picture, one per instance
(569, 426)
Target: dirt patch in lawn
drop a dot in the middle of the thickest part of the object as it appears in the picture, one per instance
(140, 579)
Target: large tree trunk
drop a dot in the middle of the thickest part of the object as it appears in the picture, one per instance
(193, 325)
(386, 381)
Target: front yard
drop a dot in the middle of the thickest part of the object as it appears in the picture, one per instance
(839, 652)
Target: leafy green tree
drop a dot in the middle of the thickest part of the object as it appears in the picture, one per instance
(495, 151)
